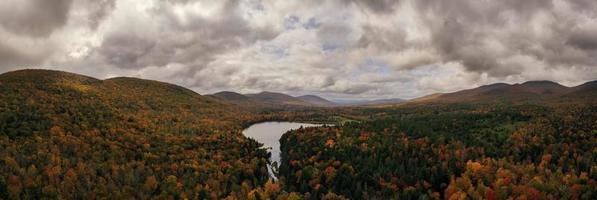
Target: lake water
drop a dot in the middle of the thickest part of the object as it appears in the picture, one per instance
(269, 133)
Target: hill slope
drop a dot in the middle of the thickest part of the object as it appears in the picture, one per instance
(277, 98)
(372, 102)
(231, 96)
(316, 100)
(272, 99)
(586, 91)
(502, 92)
(64, 135)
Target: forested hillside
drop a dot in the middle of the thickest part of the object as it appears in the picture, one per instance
(269, 100)
(530, 92)
(69, 136)
(449, 151)
(298, 99)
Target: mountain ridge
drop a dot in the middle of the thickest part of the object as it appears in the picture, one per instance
(317, 100)
(541, 90)
(267, 98)
(371, 102)
(536, 90)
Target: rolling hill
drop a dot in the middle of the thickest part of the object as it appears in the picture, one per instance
(277, 98)
(531, 91)
(69, 136)
(586, 91)
(272, 99)
(122, 96)
(316, 100)
(231, 96)
(370, 102)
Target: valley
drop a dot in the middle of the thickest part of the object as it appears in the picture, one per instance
(69, 136)
(269, 134)
(298, 99)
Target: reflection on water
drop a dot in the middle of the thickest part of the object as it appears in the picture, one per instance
(269, 134)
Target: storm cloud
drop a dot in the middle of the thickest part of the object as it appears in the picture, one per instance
(338, 49)
(34, 18)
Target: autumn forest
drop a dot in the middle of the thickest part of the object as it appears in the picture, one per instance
(69, 136)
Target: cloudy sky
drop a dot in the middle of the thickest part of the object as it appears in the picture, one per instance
(338, 49)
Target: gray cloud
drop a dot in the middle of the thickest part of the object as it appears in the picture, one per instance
(482, 35)
(125, 50)
(333, 35)
(355, 48)
(379, 6)
(381, 38)
(34, 18)
(98, 11)
(584, 38)
(191, 40)
(12, 58)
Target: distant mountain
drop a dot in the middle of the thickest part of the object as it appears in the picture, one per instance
(587, 90)
(280, 99)
(590, 86)
(262, 99)
(370, 102)
(272, 99)
(231, 96)
(545, 87)
(316, 100)
(527, 91)
(277, 98)
(385, 101)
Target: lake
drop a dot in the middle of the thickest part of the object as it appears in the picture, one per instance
(269, 133)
